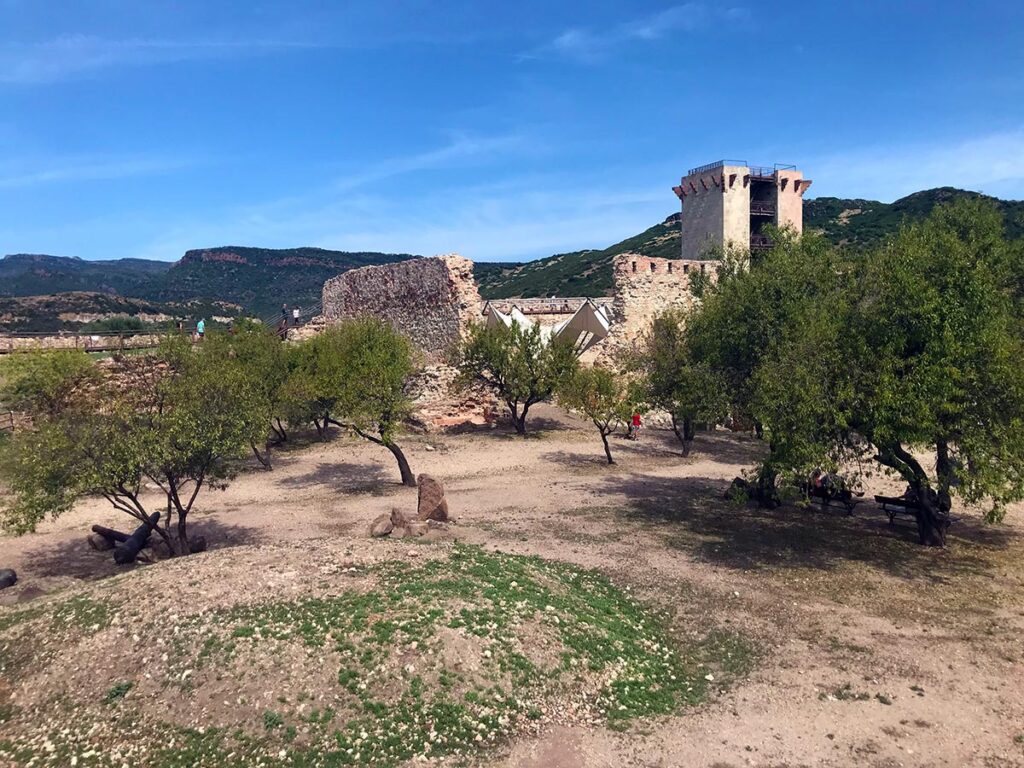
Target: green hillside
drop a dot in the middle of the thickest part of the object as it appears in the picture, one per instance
(580, 273)
(26, 274)
(260, 279)
(851, 223)
(257, 279)
(91, 311)
(861, 224)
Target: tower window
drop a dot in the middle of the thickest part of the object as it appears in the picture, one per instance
(670, 267)
(634, 266)
(654, 267)
(686, 268)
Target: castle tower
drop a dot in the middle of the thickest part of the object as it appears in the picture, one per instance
(729, 202)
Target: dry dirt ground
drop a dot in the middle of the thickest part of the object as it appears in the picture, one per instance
(870, 650)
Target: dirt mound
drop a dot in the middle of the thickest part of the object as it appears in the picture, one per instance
(298, 656)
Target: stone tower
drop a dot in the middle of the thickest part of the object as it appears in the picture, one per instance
(729, 202)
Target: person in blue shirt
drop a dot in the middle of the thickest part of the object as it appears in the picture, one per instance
(201, 328)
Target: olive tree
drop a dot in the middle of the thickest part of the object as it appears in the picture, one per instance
(914, 351)
(518, 364)
(184, 429)
(370, 394)
(600, 395)
(672, 379)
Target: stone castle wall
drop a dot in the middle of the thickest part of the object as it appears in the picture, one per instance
(645, 287)
(431, 301)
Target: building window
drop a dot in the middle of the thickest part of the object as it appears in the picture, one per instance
(670, 267)
(686, 268)
(653, 266)
(634, 266)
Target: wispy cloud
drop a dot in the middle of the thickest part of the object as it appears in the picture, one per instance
(22, 174)
(992, 163)
(74, 55)
(589, 45)
(461, 149)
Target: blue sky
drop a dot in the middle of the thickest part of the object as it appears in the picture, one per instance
(497, 130)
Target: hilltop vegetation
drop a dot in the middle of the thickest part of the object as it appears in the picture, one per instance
(579, 273)
(257, 280)
(852, 223)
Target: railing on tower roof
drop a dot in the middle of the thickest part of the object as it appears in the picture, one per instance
(755, 170)
(712, 166)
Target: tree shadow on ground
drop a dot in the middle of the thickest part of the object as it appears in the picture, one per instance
(692, 515)
(76, 559)
(347, 477)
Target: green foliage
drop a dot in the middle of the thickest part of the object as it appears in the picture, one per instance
(182, 426)
(117, 692)
(44, 382)
(519, 365)
(602, 396)
(126, 324)
(354, 375)
(673, 380)
(915, 347)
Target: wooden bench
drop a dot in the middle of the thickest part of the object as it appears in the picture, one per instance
(898, 505)
(831, 495)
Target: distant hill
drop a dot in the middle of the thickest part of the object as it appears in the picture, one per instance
(27, 274)
(861, 224)
(90, 311)
(850, 223)
(579, 273)
(260, 279)
(257, 279)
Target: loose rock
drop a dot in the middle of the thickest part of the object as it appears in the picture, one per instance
(431, 505)
(99, 543)
(382, 526)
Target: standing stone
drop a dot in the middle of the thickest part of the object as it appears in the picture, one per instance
(432, 504)
(382, 526)
(8, 578)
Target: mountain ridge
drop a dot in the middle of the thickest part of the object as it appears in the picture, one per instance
(259, 280)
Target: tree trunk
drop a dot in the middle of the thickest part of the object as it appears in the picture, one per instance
(519, 418)
(931, 525)
(408, 478)
(183, 548)
(264, 460)
(685, 436)
(607, 448)
(278, 429)
(944, 468)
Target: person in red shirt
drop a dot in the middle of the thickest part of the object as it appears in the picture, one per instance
(634, 427)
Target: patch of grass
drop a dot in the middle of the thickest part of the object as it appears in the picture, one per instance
(9, 619)
(272, 720)
(117, 692)
(82, 614)
(444, 656)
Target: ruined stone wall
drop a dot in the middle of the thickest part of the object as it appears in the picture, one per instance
(645, 287)
(432, 301)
